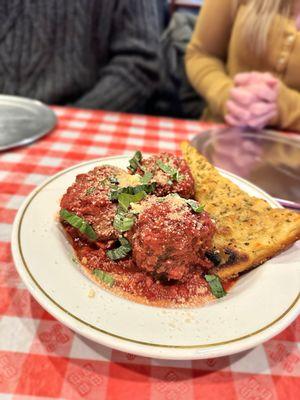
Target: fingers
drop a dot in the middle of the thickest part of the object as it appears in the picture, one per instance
(263, 92)
(243, 79)
(253, 100)
(242, 96)
(230, 120)
(261, 122)
(260, 109)
(255, 116)
(270, 79)
(265, 77)
(254, 110)
(254, 123)
(237, 111)
(248, 94)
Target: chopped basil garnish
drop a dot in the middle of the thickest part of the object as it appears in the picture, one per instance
(104, 277)
(90, 190)
(195, 206)
(146, 178)
(149, 188)
(78, 223)
(215, 285)
(123, 222)
(114, 193)
(134, 162)
(172, 172)
(124, 199)
(121, 251)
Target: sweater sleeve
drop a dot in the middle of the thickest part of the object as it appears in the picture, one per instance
(289, 109)
(131, 75)
(207, 53)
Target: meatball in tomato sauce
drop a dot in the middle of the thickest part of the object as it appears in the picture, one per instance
(169, 239)
(88, 198)
(171, 174)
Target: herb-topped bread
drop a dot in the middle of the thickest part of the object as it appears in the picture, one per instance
(249, 231)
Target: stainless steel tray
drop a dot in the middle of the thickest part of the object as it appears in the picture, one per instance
(23, 121)
(270, 160)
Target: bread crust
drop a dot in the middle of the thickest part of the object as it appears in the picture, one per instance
(247, 227)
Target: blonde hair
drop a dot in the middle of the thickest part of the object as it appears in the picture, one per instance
(258, 18)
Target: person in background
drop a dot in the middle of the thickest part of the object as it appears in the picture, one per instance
(100, 54)
(244, 59)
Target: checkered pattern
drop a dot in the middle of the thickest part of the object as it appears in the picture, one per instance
(42, 359)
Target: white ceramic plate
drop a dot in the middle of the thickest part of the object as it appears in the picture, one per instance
(263, 302)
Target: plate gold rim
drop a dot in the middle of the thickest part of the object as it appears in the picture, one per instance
(198, 346)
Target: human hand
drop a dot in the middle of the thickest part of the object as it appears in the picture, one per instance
(253, 100)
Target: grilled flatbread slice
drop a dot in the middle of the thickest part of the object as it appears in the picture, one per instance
(249, 231)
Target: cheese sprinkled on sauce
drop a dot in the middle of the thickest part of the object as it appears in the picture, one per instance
(176, 203)
(128, 180)
(161, 177)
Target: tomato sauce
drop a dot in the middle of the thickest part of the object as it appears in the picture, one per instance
(169, 240)
(142, 286)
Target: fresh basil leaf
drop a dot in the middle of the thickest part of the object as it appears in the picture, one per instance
(215, 285)
(90, 190)
(114, 193)
(134, 162)
(124, 242)
(149, 188)
(123, 222)
(146, 178)
(172, 172)
(104, 277)
(78, 223)
(121, 251)
(124, 199)
(195, 206)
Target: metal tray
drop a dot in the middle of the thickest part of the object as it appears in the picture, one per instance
(22, 121)
(270, 160)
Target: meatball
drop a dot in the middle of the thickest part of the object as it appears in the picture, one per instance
(183, 183)
(88, 197)
(169, 239)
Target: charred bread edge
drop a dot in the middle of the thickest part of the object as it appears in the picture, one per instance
(230, 271)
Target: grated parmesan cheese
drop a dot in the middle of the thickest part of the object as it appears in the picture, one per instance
(137, 207)
(161, 177)
(174, 200)
(128, 180)
(176, 203)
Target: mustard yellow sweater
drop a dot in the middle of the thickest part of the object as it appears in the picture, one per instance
(217, 53)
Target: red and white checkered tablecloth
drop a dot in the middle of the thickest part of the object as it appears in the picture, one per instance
(42, 359)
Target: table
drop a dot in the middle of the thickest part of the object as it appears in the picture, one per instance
(42, 359)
